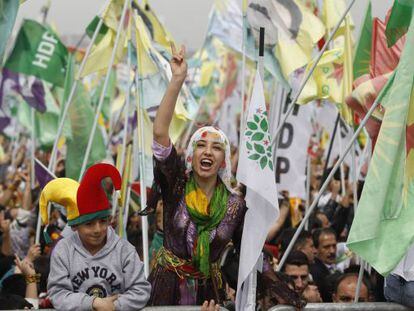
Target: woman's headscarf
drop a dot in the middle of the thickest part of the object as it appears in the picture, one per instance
(225, 171)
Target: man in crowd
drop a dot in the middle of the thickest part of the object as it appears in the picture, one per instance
(304, 243)
(297, 268)
(345, 289)
(325, 243)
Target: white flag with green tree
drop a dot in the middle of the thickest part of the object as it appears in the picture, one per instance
(256, 171)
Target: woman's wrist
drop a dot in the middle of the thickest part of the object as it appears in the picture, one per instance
(177, 79)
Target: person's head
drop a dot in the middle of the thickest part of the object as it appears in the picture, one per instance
(297, 268)
(208, 155)
(345, 289)
(305, 244)
(325, 243)
(323, 219)
(93, 233)
(87, 207)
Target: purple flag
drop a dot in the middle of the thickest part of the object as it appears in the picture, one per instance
(33, 92)
(42, 175)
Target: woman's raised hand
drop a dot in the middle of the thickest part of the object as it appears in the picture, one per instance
(178, 63)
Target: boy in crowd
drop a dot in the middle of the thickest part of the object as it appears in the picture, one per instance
(92, 268)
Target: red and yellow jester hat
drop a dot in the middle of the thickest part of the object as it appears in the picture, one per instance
(85, 201)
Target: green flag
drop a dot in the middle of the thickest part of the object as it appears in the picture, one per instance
(363, 50)
(8, 13)
(399, 20)
(90, 29)
(81, 115)
(382, 230)
(38, 52)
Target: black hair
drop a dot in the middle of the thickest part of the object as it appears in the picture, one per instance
(317, 233)
(287, 235)
(296, 258)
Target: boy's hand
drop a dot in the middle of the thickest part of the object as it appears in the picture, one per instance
(104, 304)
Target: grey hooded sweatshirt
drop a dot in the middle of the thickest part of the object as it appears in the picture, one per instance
(76, 276)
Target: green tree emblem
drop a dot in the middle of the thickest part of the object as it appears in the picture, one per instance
(258, 144)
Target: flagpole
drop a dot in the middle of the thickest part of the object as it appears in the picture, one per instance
(126, 112)
(243, 70)
(33, 149)
(331, 142)
(309, 74)
(326, 183)
(355, 194)
(68, 102)
(141, 154)
(101, 99)
(308, 194)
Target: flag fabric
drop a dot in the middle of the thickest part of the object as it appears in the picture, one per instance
(399, 20)
(226, 24)
(42, 175)
(101, 52)
(327, 77)
(38, 52)
(384, 59)
(363, 49)
(291, 27)
(80, 115)
(256, 171)
(32, 91)
(8, 13)
(348, 78)
(384, 215)
(154, 73)
(158, 32)
(332, 11)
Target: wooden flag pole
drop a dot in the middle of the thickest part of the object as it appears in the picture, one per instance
(105, 86)
(309, 74)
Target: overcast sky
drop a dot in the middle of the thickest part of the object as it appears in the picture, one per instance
(186, 19)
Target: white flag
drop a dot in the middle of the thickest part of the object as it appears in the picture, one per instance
(256, 171)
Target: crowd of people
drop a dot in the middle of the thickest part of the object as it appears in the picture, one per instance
(196, 220)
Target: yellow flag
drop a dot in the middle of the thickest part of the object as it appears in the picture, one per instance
(348, 78)
(100, 55)
(332, 11)
(294, 49)
(327, 77)
(159, 33)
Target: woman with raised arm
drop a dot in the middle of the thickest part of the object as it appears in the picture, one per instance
(202, 213)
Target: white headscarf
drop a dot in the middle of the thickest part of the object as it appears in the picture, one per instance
(225, 171)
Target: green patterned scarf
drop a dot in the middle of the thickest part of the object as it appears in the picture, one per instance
(206, 217)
